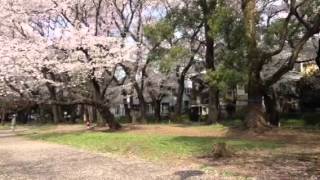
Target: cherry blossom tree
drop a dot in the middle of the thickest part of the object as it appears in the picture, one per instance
(62, 38)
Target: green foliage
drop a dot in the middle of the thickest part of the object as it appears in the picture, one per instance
(310, 8)
(223, 78)
(273, 33)
(174, 56)
(172, 33)
(232, 67)
(156, 33)
(232, 70)
(222, 20)
(185, 18)
(227, 26)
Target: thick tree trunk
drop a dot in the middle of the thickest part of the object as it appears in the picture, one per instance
(56, 114)
(178, 106)
(256, 117)
(214, 106)
(109, 117)
(272, 108)
(93, 115)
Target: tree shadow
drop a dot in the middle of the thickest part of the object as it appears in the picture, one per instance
(189, 173)
(271, 166)
(205, 144)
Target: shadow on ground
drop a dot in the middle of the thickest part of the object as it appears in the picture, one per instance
(188, 174)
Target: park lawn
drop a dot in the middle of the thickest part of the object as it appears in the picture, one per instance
(299, 124)
(151, 146)
(3, 127)
(278, 150)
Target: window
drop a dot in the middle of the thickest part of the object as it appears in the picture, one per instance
(188, 91)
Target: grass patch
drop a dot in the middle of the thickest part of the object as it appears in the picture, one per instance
(152, 147)
(224, 125)
(5, 127)
(298, 124)
(214, 127)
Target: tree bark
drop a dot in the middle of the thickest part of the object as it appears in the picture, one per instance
(108, 117)
(3, 117)
(142, 104)
(55, 114)
(272, 108)
(178, 106)
(85, 114)
(157, 109)
(256, 117)
(214, 106)
(318, 55)
(93, 115)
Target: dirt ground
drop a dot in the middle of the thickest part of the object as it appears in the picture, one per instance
(298, 159)
(23, 159)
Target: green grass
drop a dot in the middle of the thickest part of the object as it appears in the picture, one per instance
(225, 125)
(298, 124)
(5, 127)
(152, 147)
(293, 123)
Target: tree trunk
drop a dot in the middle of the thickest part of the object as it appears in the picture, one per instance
(318, 55)
(21, 117)
(142, 104)
(256, 117)
(127, 110)
(85, 114)
(42, 114)
(93, 115)
(93, 112)
(56, 114)
(3, 117)
(178, 108)
(109, 117)
(157, 109)
(272, 108)
(73, 115)
(214, 106)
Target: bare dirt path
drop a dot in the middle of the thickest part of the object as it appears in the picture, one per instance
(25, 159)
